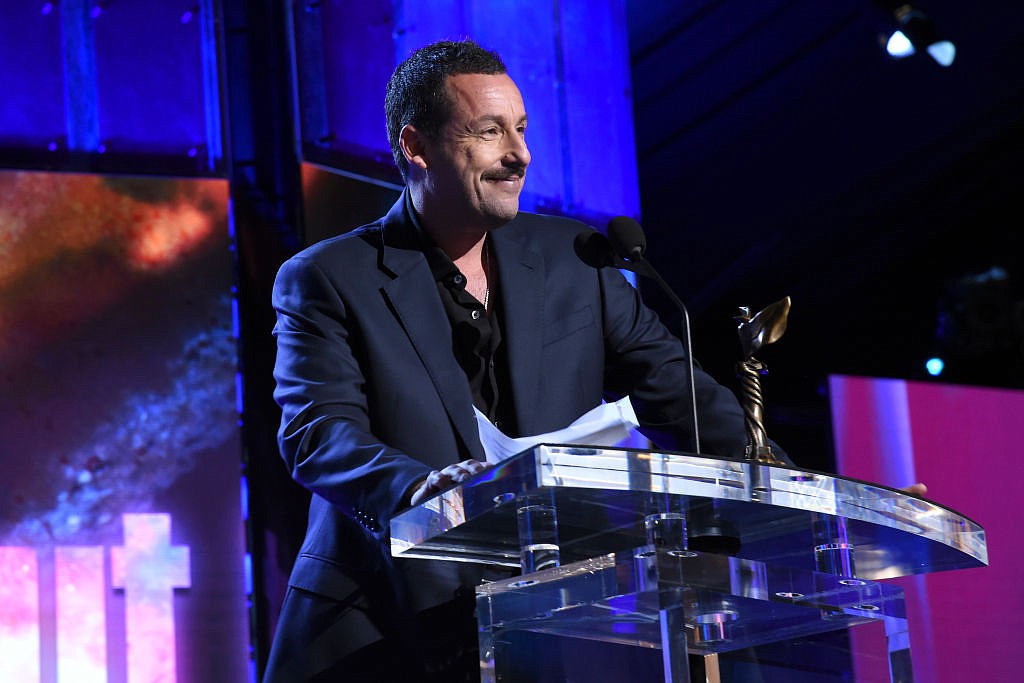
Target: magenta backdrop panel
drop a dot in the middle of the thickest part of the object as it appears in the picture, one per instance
(122, 554)
(963, 443)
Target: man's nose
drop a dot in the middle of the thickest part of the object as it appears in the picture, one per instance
(517, 150)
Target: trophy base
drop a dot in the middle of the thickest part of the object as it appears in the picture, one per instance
(763, 455)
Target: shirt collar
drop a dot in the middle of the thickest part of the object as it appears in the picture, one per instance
(441, 266)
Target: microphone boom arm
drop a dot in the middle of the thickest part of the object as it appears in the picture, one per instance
(638, 264)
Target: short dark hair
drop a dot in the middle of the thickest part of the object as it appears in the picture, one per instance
(416, 90)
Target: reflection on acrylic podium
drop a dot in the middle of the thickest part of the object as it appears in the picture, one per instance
(648, 566)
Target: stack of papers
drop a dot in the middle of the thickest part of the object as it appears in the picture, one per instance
(605, 425)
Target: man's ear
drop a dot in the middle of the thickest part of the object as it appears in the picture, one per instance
(413, 146)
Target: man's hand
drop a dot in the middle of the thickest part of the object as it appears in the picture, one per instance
(917, 489)
(438, 480)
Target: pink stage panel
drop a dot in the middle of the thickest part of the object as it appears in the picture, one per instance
(963, 443)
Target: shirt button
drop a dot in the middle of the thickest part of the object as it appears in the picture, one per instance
(475, 314)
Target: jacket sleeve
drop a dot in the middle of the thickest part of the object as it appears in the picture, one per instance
(325, 436)
(645, 360)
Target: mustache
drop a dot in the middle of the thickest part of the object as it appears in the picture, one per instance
(506, 172)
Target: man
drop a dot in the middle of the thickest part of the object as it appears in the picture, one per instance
(389, 335)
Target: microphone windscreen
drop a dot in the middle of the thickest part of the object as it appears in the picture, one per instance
(627, 237)
(594, 249)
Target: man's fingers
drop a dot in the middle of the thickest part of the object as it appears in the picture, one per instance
(917, 489)
(475, 466)
(461, 471)
(439, 480)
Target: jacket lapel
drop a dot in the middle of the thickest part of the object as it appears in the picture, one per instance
(412, 294)
(521, 275)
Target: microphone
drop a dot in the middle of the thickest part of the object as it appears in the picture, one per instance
(628, 242)
(595, 250)
(627, 238)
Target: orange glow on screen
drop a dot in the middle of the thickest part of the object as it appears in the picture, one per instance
(101, 233)
(167, 234)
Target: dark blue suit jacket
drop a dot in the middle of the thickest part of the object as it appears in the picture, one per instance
(373, 398)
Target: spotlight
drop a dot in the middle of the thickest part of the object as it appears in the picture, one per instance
(917, 32)
(934, 366)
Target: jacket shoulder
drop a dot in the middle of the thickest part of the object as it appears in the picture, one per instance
(545, 231)
(348, 243)
(526, 220)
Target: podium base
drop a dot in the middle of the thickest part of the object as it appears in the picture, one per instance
(680, 616)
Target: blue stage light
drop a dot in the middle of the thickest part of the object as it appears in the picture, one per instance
(917, 32)
(934, 366)
(899, 45)
(943, 52)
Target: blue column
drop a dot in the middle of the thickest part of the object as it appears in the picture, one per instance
(81, 107)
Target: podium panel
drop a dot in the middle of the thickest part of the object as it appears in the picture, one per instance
(673, 603)
(760, 512)
(631, 556)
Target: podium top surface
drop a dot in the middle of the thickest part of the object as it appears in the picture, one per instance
(758, 512)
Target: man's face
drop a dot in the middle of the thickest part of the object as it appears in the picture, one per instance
(475, 170)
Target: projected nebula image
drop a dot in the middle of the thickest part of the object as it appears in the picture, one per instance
(118, 432)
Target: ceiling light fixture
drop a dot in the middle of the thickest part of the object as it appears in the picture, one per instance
(916, 33)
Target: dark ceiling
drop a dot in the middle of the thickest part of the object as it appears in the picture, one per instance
(782, 152)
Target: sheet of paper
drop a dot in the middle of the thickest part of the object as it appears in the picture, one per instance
(605, 425)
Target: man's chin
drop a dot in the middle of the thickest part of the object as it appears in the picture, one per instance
(499, 214)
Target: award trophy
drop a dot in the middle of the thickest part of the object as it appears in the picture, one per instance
(765, 327)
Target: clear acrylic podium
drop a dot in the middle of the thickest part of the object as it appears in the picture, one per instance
(668, 555)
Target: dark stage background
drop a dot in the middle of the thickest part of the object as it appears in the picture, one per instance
(164, 156)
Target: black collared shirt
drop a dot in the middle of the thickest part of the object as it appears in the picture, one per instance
(477, 341)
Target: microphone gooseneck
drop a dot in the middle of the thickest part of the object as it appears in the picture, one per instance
(629, 243)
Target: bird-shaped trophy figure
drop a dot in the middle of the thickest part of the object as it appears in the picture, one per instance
(766, 327)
